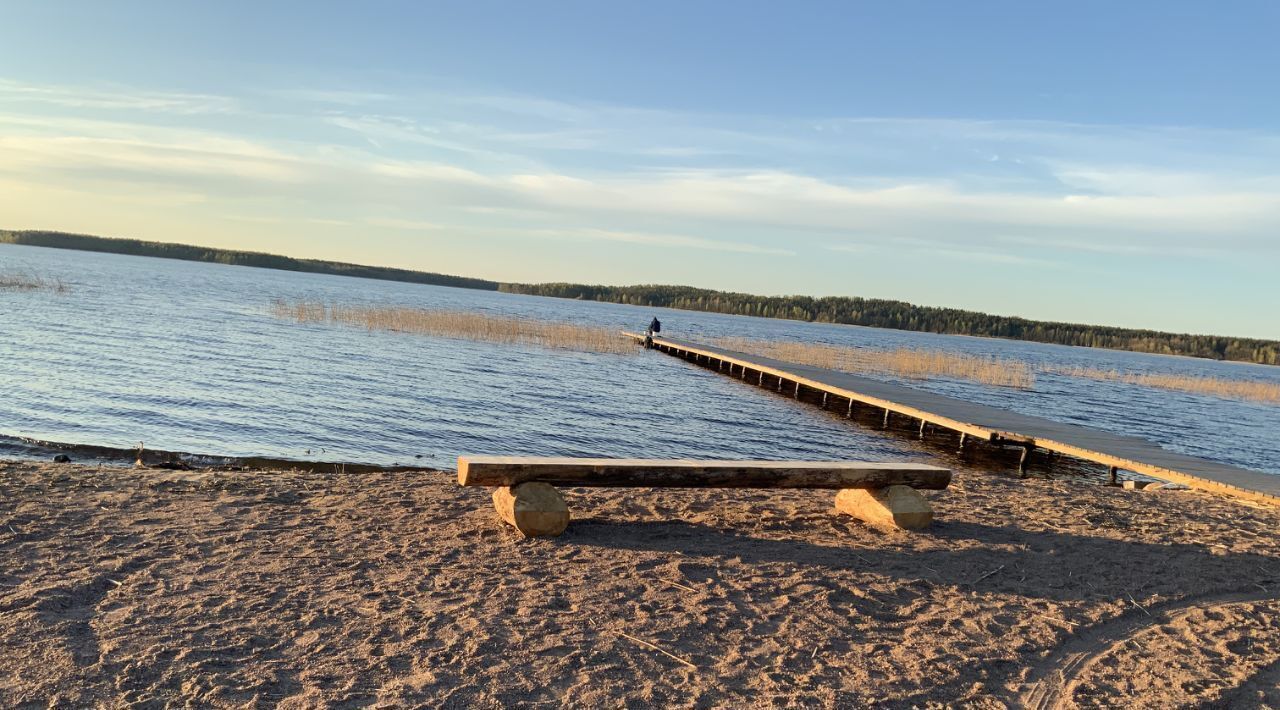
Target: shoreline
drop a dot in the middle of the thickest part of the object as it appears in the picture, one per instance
(23, 448)
(295, 588)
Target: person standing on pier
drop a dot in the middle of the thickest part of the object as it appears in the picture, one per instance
(655, 326)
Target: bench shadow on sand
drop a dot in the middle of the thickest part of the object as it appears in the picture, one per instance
(1058, 566)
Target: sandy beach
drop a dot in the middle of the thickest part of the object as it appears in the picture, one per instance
(148, 588)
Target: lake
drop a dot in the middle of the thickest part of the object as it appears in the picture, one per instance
(186, 356)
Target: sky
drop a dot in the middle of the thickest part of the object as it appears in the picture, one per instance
(1099, 162)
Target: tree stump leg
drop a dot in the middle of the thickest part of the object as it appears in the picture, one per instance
(892, 507)
(535, 509)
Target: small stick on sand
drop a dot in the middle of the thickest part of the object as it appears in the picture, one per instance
(649, 645)
(118, 584)
(677, 584)
(1135, 603)
(1072, 624)
(987, 574)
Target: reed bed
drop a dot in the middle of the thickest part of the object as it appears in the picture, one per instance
(902, 362)
(28, 281)
(1216, 386)
(465, 325)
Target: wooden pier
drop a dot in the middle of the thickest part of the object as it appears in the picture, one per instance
(980, 422)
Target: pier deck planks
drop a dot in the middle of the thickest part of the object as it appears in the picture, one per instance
(1001, 426)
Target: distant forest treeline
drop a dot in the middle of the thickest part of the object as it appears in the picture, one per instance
(61, 240)
(832, 309)
(879, 313)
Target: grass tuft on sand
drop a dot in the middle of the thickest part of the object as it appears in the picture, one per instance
(460, 324)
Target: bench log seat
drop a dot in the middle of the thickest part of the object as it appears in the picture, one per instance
(882, 494)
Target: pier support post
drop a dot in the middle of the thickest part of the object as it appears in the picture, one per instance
(1113, 472)
(963, 438)
(849, 414)
(922, 425)
(885, 423)
(797, 389)
(1022, 459)
(761, 382)
(824, 400)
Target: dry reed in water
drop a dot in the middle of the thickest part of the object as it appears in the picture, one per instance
(460, 324)
(1215, 386)
(26, 281)
(902, 362)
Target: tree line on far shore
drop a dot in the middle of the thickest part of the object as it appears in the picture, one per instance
(186, 252)
(876, 313)
(879, 313)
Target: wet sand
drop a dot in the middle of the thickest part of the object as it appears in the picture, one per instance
(123, 587)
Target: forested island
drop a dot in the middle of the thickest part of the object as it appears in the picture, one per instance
(186, 252)
(877, 313)
(899, 315)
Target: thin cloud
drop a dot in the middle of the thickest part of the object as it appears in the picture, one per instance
(337, 97)
(115, 98)
(663, 240)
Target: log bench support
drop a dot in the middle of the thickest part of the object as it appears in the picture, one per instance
(535, 509)
(892, 507)
(525, 497)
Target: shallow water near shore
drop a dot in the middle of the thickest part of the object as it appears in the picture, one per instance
(187, 357)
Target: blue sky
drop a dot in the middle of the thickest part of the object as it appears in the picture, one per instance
(1100, 162)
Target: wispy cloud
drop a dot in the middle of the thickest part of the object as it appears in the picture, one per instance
(666, 240)
(115, 98)
(553, 169)
(339, 97)
(413, 225)
(88, 156)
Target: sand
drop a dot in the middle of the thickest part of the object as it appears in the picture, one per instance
(146, 588)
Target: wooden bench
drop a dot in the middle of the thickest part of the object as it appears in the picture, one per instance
(883, 494)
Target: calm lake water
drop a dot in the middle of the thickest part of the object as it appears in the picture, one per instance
(186, 357)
